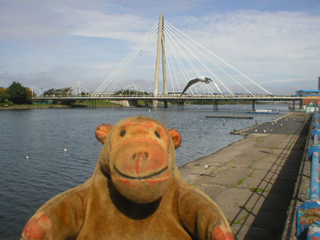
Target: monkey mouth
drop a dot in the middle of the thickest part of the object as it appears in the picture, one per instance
(142, 177)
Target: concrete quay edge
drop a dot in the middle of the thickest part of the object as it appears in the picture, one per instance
(257, 181)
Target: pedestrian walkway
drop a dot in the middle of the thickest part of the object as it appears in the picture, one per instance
(253, 180)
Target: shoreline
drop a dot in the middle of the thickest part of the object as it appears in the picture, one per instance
(252, 180)
(241, 132)
(49, 107)
(33, 107)
(58, 106)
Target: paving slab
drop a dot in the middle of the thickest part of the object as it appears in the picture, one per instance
(254, 180)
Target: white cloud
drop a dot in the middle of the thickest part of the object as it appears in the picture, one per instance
(32, 21)
(260, 34)
(272, 48)
(264, 45)
(108, 25)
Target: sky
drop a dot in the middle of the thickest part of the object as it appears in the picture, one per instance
(79, 43)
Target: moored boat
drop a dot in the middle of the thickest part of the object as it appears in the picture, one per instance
(266, 111)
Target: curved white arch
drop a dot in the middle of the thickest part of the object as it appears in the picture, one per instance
(32, 88)
(78, 90)
(137, 88)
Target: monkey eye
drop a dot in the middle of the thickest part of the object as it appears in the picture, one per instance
(122, 133)
(157, 134)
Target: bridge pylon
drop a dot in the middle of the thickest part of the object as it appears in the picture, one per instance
(160, 52)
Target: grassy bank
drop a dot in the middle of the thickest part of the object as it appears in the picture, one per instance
(31, 106)
(84, 104)
(98, 103)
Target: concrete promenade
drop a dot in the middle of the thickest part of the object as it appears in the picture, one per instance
(254, 180)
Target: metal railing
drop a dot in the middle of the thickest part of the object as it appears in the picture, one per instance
(169, 97)
(308, 213)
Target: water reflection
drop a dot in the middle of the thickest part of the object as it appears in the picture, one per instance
(43, 134)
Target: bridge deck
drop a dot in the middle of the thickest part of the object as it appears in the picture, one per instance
(253, 180)
(171, 98)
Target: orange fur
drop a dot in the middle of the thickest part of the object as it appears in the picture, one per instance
(136, 192)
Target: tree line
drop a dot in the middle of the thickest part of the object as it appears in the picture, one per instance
(18, 94)
(15, 94)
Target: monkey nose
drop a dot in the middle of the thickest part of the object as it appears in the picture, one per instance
(140, 161)
(140, 156)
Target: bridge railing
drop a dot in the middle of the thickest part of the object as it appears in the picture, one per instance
(167, 96)
(308, 213)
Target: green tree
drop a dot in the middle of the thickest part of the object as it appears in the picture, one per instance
(3, 95)
(130, 92)
(18, 94)
(63, 91)
(57, 92)
(49, 92)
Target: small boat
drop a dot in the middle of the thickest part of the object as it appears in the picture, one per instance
(266, 111)
(239, 117)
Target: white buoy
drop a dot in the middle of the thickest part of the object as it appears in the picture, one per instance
(27, 157)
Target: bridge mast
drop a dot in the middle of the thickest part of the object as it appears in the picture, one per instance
(160, 47)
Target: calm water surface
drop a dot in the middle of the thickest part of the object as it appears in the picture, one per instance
(43, 134)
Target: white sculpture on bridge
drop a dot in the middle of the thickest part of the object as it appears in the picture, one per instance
(201, 78)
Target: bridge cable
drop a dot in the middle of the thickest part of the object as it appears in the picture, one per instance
(126, 60)
(223, 72)
(172, 72)
(180, 65)
(121, 66)
(259, 86)
(202, 65)
(185, 57)
(229, 90)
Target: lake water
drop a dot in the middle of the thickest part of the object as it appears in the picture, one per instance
(43, 134)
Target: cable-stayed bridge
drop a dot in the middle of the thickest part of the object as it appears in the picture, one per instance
(183, 59)
(179, 58)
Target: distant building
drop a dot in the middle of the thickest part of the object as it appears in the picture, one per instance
(310, 105)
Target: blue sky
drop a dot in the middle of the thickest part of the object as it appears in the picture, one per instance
(55, 44)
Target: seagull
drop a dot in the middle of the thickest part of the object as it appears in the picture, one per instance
(193, 81)
(65, 149)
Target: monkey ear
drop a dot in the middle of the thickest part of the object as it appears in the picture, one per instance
(102, 132)
(176, 137)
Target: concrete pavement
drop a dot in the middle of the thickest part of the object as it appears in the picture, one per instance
(254, 180)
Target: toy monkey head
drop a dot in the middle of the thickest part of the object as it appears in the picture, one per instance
(139, 156)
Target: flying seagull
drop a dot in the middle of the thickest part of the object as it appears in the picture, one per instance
(193, 81)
